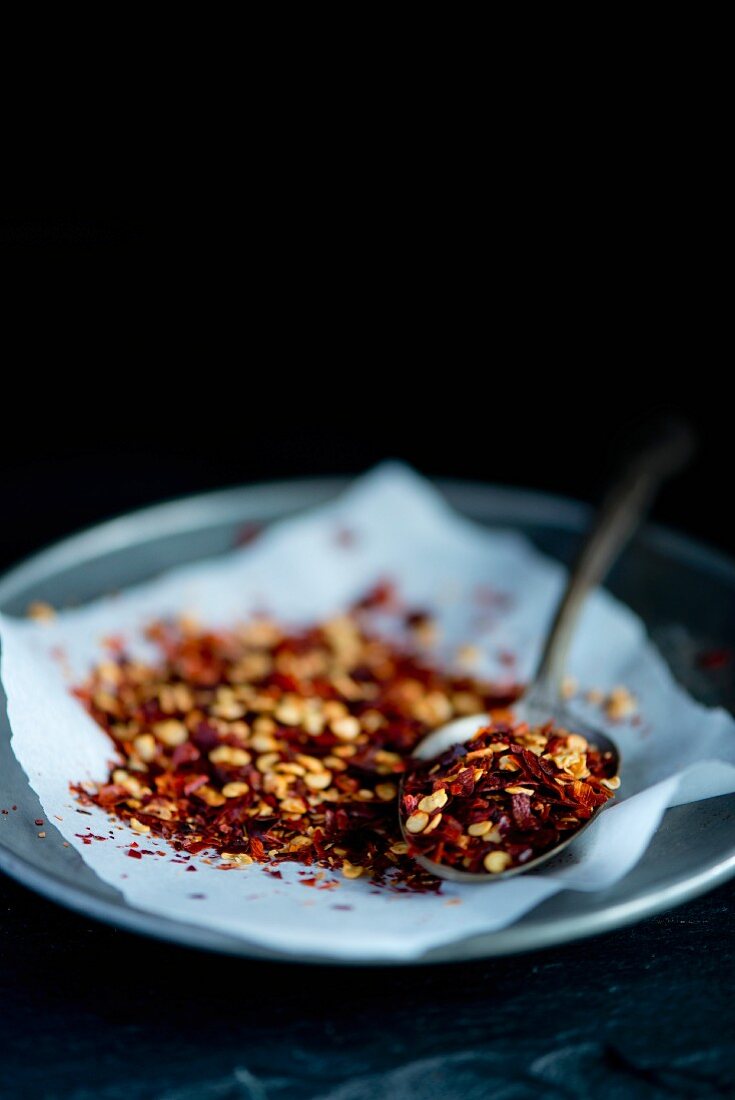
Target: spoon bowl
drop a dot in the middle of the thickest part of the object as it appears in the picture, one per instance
(459, 732)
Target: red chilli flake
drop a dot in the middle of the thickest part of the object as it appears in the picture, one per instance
(345, 537)
(508, 795)
(713, 659)
(247, 534)
(264, 745)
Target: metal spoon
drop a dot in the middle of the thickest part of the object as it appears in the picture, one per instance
(621, 512)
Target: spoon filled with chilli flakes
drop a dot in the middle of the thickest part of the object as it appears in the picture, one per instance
(482, 800)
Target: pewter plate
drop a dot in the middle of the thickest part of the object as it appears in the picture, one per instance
(684, 592)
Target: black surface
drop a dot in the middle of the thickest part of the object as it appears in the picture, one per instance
(89, 1011)
(149, 358)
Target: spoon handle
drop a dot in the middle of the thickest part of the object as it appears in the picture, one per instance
(622, 510)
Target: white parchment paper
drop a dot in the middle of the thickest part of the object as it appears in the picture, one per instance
(302, 569)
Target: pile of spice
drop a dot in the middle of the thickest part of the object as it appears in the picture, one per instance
(262, 744)
(510, 794)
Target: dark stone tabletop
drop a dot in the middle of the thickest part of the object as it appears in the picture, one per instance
(90, 1011)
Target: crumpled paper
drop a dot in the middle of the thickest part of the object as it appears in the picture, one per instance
(303, 569)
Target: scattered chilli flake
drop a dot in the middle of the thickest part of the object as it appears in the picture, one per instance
(88, 837)
(345, 537)
(248, 533)
(618, 704)
(490, 821)
(714, 659)
(264, 745)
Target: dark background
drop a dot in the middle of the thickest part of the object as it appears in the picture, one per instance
(153, 356)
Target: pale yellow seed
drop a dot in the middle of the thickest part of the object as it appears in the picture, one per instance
(226, 754)
(278, 784)
(433, 824)
(318, 781)
(417, 822)
(468, 655)
(138, 826)
(433, 801)
(238, 858)
(145, 746)
(171, 733)
(130, 783)
(263, 704)
(569, 687)
(572, 763)
(465, 702)
(229, 711)
(612, 784)
(235, 790)
(351, 870)
(263, 742)
(426, 632)
(240, 730)
(372, 721)
(386, 791)
(344, 752)
(495, 862)
(313, 723)
(433, 709)
(291, 769)
(289, 714)
(293, 806)
(400, 848)
(210, 796)
(299, 842)
(509, 764)
(334, 763)
(183, 697)
(346, 729)
(620, 704)
(479, 828)
(106, 702)
(519, 790)
(334, 710)
(40, 611)
(265, 762)
(110, 672)
(476, 754)
(311, 763)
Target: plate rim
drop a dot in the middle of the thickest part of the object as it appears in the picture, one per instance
(272, 499)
